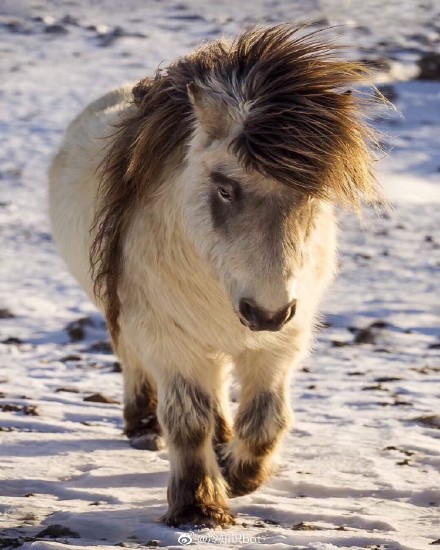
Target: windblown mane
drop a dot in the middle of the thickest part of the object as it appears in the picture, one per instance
(303, 128)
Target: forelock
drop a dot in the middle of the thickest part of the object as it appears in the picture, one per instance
(300, 123)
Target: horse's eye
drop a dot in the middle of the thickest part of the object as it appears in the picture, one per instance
(225, 194)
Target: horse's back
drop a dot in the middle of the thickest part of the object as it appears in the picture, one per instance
(73, 180)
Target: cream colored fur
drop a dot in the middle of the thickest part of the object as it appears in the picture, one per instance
(178, 308)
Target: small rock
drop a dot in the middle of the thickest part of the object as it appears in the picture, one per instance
(100, 398)
(271, 522)
(430, 421)
(376, 387)
(72, 357)
(365, 336)
(101, 346)
(76, 329)
(378, 324)
(302, 526)
(429, 65)
(16, 26)
(116, 367)
(339, 343)
(31, 410)
(67, 390)
(435, 542)
(187, 17)
(12, 340)
(55, 531)
(70, 20)
(55, 28)
(383, 379)
(6, 314)
(10, 407)
(7, 542)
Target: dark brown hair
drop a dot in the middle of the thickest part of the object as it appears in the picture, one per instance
(303, 127)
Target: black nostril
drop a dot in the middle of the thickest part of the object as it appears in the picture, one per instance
(248, 310)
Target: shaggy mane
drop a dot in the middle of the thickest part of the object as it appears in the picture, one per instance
(303, 128)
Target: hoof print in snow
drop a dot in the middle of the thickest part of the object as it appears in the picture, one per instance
(55, 531)
(100, 398)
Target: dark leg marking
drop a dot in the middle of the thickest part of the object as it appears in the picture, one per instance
(195, 494)
(258, 428)
(222, 430)
(141, 425)
(260, 424)
(186, 414)
(194, 499)
(243, 476)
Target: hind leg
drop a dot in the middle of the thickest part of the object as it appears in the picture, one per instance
(140, 402)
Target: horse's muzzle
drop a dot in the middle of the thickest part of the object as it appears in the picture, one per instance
(257, 318)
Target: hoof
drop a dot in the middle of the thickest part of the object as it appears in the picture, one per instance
(147, 441)
(199, 516)
(242, 479)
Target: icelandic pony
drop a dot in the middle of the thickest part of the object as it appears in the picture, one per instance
(196, 209)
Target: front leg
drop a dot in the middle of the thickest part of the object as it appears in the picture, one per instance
(262, 418)
(196, 490)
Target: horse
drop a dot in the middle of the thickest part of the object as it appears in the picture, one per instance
(197, 210)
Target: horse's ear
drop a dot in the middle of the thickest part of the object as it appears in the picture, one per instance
(210, 110)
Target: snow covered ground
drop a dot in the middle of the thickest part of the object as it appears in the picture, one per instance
(361, 468)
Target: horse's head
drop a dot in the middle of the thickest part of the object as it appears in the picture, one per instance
(266, 130)
(276, 134)
(251, 229)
